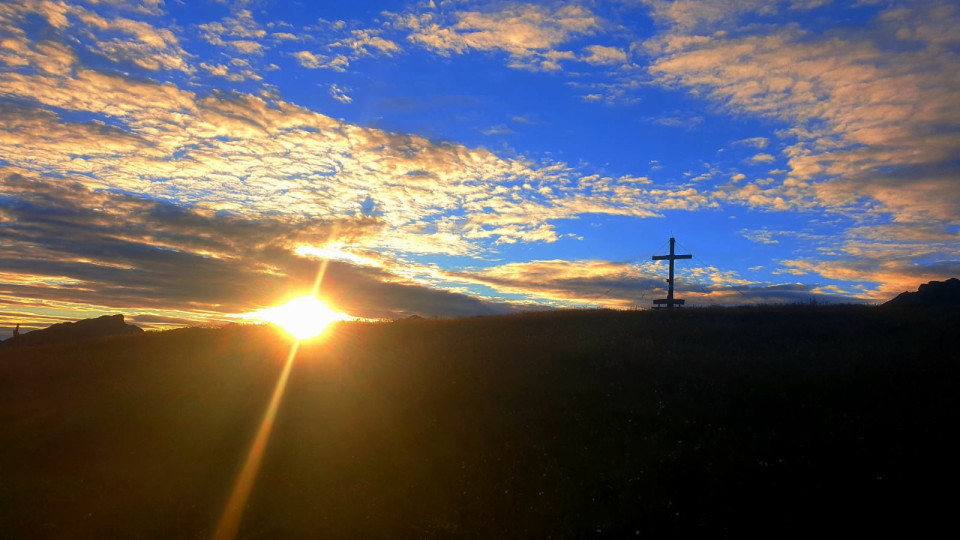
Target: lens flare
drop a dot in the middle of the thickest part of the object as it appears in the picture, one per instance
(233, 512)
(302, 318)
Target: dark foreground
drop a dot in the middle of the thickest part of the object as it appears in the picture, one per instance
(725, 423)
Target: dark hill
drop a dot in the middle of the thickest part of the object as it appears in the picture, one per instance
(786, 422)
(75, 332)
(935, 293)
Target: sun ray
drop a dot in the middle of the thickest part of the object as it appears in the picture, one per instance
(230, 519)
(229, 522)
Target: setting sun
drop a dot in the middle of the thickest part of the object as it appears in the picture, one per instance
(302, 318)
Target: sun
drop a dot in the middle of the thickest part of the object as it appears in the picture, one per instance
(302, 318)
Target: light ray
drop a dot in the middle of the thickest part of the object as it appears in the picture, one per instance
(229, 522)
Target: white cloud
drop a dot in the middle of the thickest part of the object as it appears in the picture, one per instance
(754, 142)
(340, 94)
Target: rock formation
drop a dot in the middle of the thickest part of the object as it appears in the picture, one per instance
(935, 293)
(107, 325)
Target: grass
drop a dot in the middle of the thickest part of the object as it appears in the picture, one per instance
(774, 421)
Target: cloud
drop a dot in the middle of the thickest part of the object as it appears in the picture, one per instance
(239, 32)
(762, 158)
(858, 104)
(692, 15)
(529, 33)
(583, 283)
(24, 126)
(767, 294)
(762, 236)
(119, 39)
(895, 257)
(678, 119)
(595, 283)
(368, 42)
(871, 126)
(71, 247)
(230, 72)
(337, 45)
(340, 94)
(310, 60)
(918, 194)
(245, 46)
(769, 194)
(893, 276)
(604, 55)
(753, 142)
(497, 130)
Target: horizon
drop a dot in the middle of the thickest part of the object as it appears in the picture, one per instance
(251, 322)
(189, 164)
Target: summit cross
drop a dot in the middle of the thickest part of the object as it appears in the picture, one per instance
(669, 300)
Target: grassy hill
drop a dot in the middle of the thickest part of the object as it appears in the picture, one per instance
(777, 421)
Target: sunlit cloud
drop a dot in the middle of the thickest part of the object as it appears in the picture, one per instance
(93, 255)
(862, 105)
(239, 32)
(118, 38)
(368, 42)
(337, 252)
(529, 33)
(604, 55)
(762, 158)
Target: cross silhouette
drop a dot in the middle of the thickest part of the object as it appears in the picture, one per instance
(669, 300)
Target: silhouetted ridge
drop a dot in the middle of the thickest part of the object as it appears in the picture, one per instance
(935, 293)
(60, 333)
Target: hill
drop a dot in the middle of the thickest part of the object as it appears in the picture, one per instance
(782, 422)
(75, 332)
(934, 293)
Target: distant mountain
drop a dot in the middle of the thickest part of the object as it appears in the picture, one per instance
(107, 325)
(935, 293)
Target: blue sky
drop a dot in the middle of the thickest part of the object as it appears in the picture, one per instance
(188, 162)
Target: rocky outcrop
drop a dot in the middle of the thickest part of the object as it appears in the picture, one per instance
(935, 293)
(108, 325)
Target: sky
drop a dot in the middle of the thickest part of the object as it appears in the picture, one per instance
(185, 163)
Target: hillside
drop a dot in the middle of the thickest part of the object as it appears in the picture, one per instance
(782, 422)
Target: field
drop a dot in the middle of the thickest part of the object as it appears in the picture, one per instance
(772, 421)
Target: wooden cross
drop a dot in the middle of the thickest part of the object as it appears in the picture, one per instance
(669, 301)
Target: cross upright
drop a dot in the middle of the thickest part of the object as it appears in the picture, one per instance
(669, 301)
